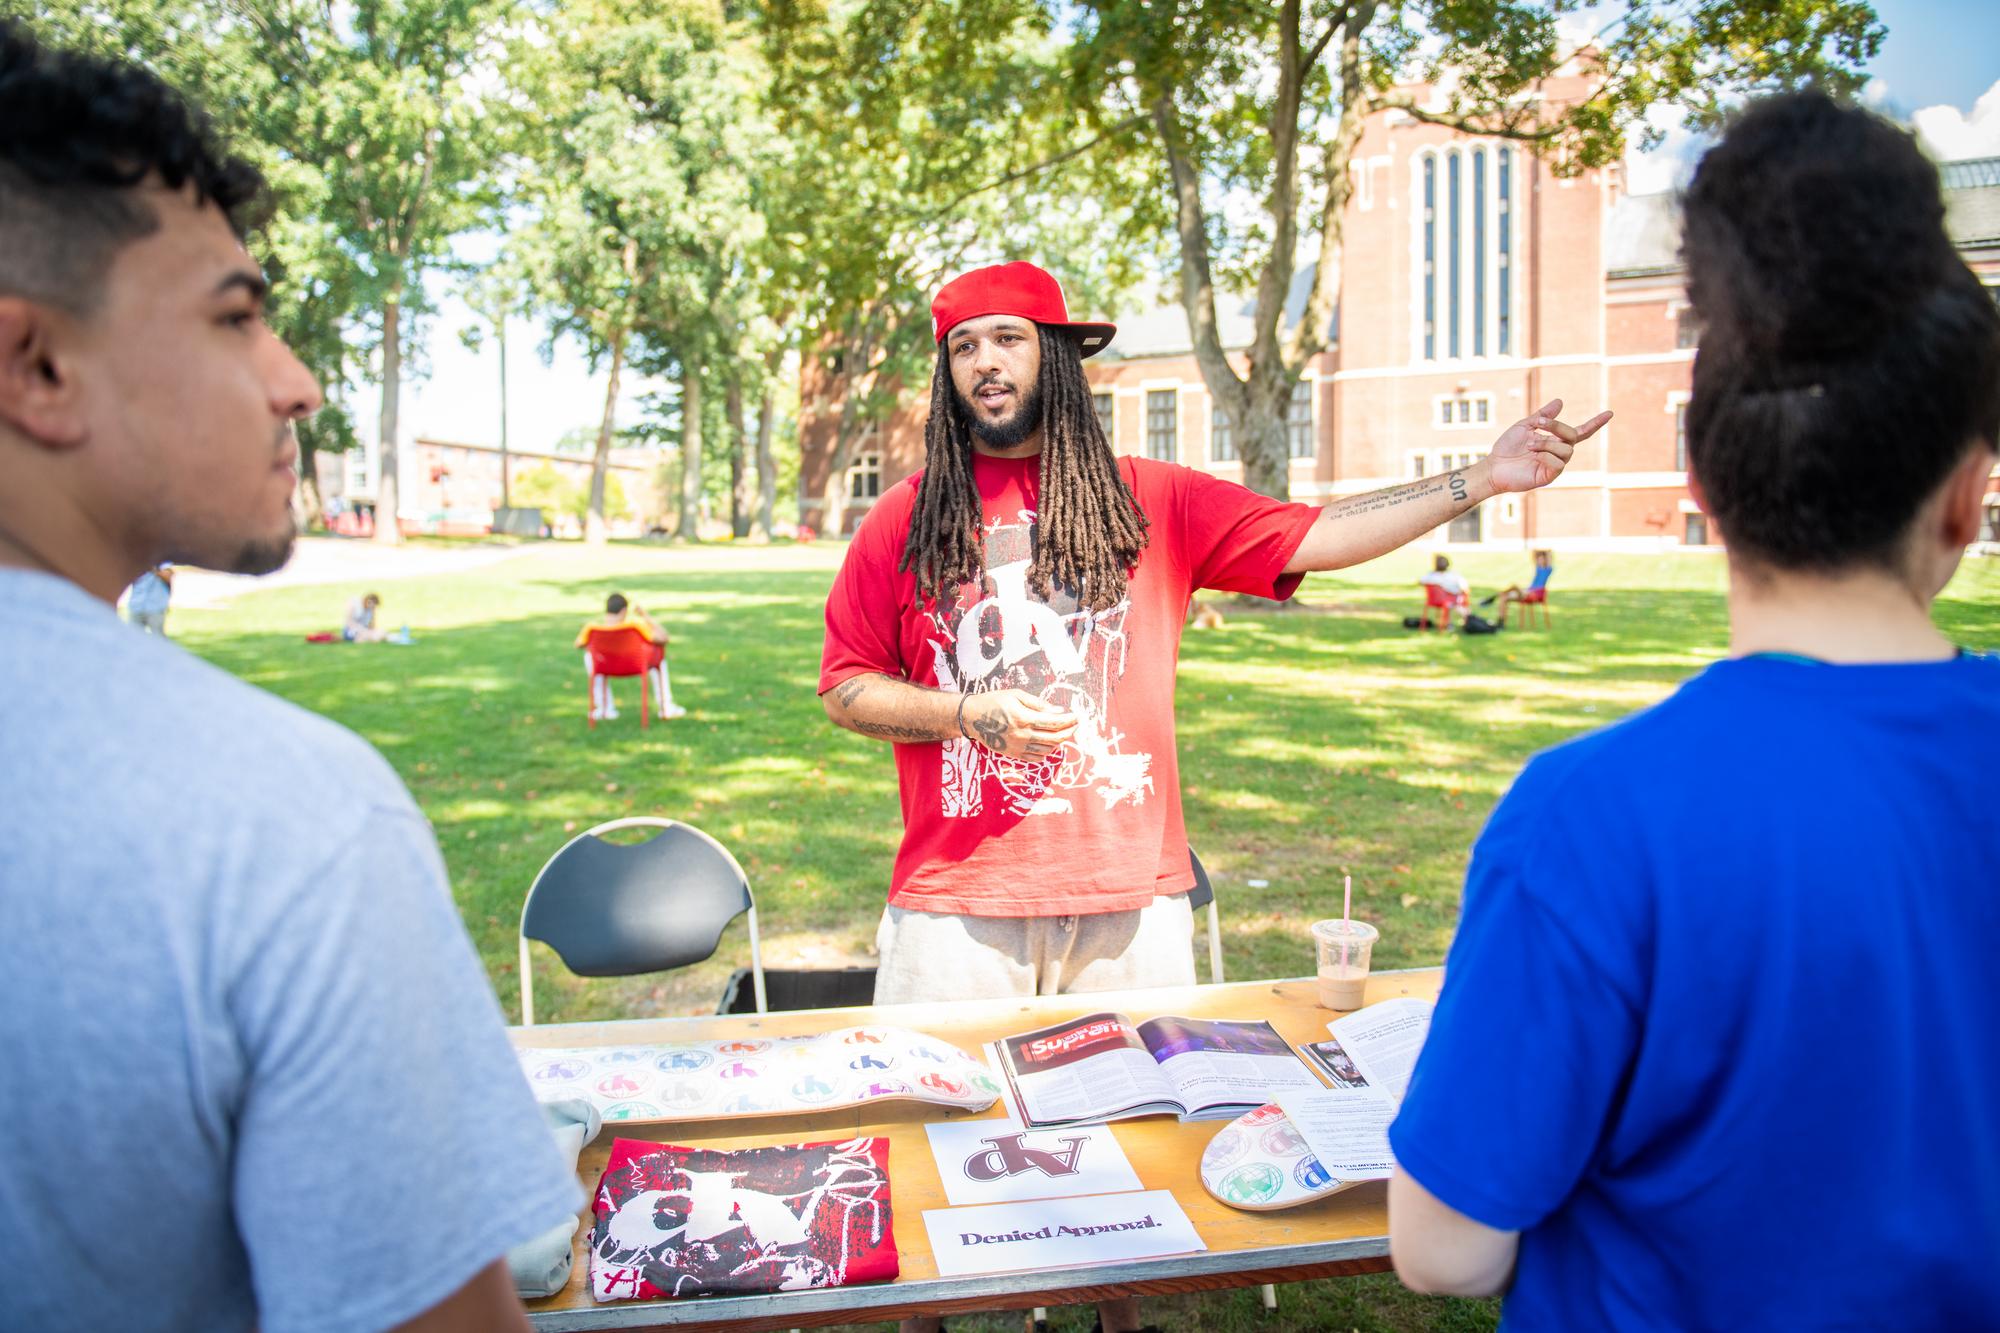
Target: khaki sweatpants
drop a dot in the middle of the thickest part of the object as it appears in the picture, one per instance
(940, 956)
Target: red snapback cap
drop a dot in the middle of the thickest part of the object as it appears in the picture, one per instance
(1020, 289)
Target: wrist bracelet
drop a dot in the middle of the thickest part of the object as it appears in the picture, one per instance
(961, 713)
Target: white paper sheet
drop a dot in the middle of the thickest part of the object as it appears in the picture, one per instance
(994, 1161)
(1059, 1233)
(1384, 1040)
(1346, 1128)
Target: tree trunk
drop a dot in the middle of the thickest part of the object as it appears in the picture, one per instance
(1257, 401)
(690, 454)
(767, 468)
(312, 508)
(1261, 439)
(858, 355)
(595, 529)
(506, 497)
(742, 481)
(833, 496)
(388, 530)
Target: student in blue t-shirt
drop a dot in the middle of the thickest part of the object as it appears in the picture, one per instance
(1536, 591)
(1719, 1040)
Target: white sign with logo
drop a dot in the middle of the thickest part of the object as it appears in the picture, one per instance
(1059, 1233)
(993, 1161)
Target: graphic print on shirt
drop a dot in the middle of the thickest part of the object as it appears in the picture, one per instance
(999, 635)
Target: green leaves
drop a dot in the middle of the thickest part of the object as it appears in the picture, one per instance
(707, 185)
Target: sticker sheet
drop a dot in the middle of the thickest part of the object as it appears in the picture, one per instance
(762, 1076)
(1260, 1162)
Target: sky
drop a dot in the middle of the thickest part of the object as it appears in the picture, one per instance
(1939, 67)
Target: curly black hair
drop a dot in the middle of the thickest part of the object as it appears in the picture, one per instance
(1849, 358)
(1089, 529)
(78, 134)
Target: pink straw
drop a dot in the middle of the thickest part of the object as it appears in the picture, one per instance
(1346, 915)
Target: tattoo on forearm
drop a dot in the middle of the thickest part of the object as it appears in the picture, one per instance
(890, 731)
(848, 691)
(1395, 497)
(1376, 501)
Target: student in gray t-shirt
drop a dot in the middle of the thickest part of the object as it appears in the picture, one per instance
(251, 1073)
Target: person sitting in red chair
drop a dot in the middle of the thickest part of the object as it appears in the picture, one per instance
(622, 614)
(1444, 590)
(1536, 593)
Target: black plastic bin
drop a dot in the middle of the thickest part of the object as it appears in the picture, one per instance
(799, 988)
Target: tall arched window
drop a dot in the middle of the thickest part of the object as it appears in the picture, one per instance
(1466, 240)
(1429, 223)
(1456, 252)
(1478, 253)
(1506, 209)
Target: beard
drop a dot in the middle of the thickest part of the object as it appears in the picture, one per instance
(266, 554)
(1008, 432)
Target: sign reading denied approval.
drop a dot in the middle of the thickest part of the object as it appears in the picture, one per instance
(1059, 1233)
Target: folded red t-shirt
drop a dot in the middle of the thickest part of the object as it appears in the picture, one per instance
(700, 1221)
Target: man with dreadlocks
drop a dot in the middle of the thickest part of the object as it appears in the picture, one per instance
(1011, 618)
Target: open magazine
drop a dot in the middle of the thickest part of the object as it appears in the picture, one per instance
(1369, 1061)
(1103, 1067)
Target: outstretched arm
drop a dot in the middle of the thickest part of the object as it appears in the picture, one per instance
(1010, 722)
(1532, 453)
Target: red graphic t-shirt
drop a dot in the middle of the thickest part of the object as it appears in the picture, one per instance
(1095, 827)
(701, 1221)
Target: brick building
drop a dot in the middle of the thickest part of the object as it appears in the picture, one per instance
(451, 487)
(1476, 285)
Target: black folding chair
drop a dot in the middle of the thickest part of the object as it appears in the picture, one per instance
(1200, 896)
(613, 909)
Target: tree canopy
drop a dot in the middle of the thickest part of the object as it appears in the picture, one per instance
(712, 192)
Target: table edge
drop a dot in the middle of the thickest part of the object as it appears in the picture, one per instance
(1000, 1287)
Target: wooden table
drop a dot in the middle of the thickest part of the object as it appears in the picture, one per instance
(1345, 1234)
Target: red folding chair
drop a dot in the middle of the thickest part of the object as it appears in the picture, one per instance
(1436, 598)
(1531, 599)
(619, 650)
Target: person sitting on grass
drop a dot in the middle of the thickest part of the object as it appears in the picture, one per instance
(619, 614)
(1450, 584)
(1634, 1109)
(1536, 591)
(360, 624)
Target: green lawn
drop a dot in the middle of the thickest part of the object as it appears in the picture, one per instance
(1314, 743)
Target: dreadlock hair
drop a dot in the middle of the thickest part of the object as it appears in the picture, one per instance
(1089, 531)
